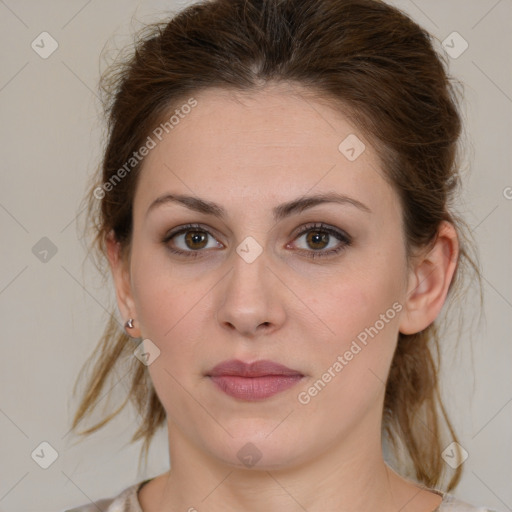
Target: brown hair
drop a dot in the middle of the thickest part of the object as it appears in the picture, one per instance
(362, 56)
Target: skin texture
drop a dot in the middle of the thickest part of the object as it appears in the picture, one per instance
(249, 153)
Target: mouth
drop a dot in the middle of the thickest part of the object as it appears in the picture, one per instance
(253, 381)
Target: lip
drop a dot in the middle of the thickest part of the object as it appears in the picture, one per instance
(253, 381)
(255, 369)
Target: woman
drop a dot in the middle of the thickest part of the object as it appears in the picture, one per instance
(274, 205)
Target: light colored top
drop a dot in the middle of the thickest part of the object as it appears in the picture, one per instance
(128, 501)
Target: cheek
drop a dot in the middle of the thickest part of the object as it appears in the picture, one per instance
(361, 306)
(170, 310)
(354, 300)
(161, 298)
(173, 308)
(351, 370)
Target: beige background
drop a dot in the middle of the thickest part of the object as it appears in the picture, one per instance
(53, 312)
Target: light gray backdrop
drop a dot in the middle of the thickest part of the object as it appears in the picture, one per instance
(52, 312)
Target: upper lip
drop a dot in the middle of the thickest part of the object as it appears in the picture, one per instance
(255, 369)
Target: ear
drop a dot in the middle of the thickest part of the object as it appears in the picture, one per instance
(429, 281)
(121, 275)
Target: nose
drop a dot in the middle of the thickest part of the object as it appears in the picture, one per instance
(252, 298)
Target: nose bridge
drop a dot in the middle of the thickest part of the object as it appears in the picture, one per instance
(250, 264)
(249, 296)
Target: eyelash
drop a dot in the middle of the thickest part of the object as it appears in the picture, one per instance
(320, 227)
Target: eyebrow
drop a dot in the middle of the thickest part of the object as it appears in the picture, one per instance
(280, 212)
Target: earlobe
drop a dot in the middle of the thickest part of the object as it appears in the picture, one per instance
(121, 277)
(429, 281)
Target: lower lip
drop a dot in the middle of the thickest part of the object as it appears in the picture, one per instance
(255, 388)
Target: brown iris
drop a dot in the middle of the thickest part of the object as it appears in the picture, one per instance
(317, 237)
(195, 237)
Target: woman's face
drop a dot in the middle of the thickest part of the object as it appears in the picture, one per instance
(245, 285)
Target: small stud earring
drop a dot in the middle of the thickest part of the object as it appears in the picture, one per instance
(129, 325)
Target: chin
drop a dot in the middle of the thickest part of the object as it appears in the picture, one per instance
(260, 451)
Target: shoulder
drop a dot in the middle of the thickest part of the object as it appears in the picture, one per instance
(451, 504)
(126, 501)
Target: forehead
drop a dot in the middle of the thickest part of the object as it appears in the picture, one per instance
(276, 142)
